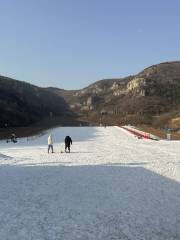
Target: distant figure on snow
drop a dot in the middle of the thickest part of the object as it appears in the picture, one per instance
(68, 142)
(13, 138)
(50, 143)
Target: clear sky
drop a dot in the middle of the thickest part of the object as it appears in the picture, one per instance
(72, 43)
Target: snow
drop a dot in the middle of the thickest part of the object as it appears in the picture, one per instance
(111, 186)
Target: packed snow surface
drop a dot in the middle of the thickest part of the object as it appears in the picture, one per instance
(111, 186)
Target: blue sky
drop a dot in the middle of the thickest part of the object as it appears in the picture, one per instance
(72, 43)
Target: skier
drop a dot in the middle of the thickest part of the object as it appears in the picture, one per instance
(50, 143)
(68, 142)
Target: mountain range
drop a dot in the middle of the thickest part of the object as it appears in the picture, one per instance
(150, 97)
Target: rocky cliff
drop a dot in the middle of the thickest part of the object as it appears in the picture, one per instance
(142, 98)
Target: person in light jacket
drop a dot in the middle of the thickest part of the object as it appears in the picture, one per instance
(50, 143)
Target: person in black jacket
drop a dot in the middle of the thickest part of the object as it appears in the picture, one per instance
(68, 142)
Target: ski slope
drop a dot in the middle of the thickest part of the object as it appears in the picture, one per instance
(111, 186)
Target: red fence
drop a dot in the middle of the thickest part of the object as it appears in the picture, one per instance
(137, 132)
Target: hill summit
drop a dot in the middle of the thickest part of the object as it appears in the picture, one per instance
(149, 97)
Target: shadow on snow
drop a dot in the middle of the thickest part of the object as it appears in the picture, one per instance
(91, 202)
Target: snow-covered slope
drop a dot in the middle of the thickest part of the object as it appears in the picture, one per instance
(112, 186)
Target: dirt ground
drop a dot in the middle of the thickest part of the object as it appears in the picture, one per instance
(159, 132)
